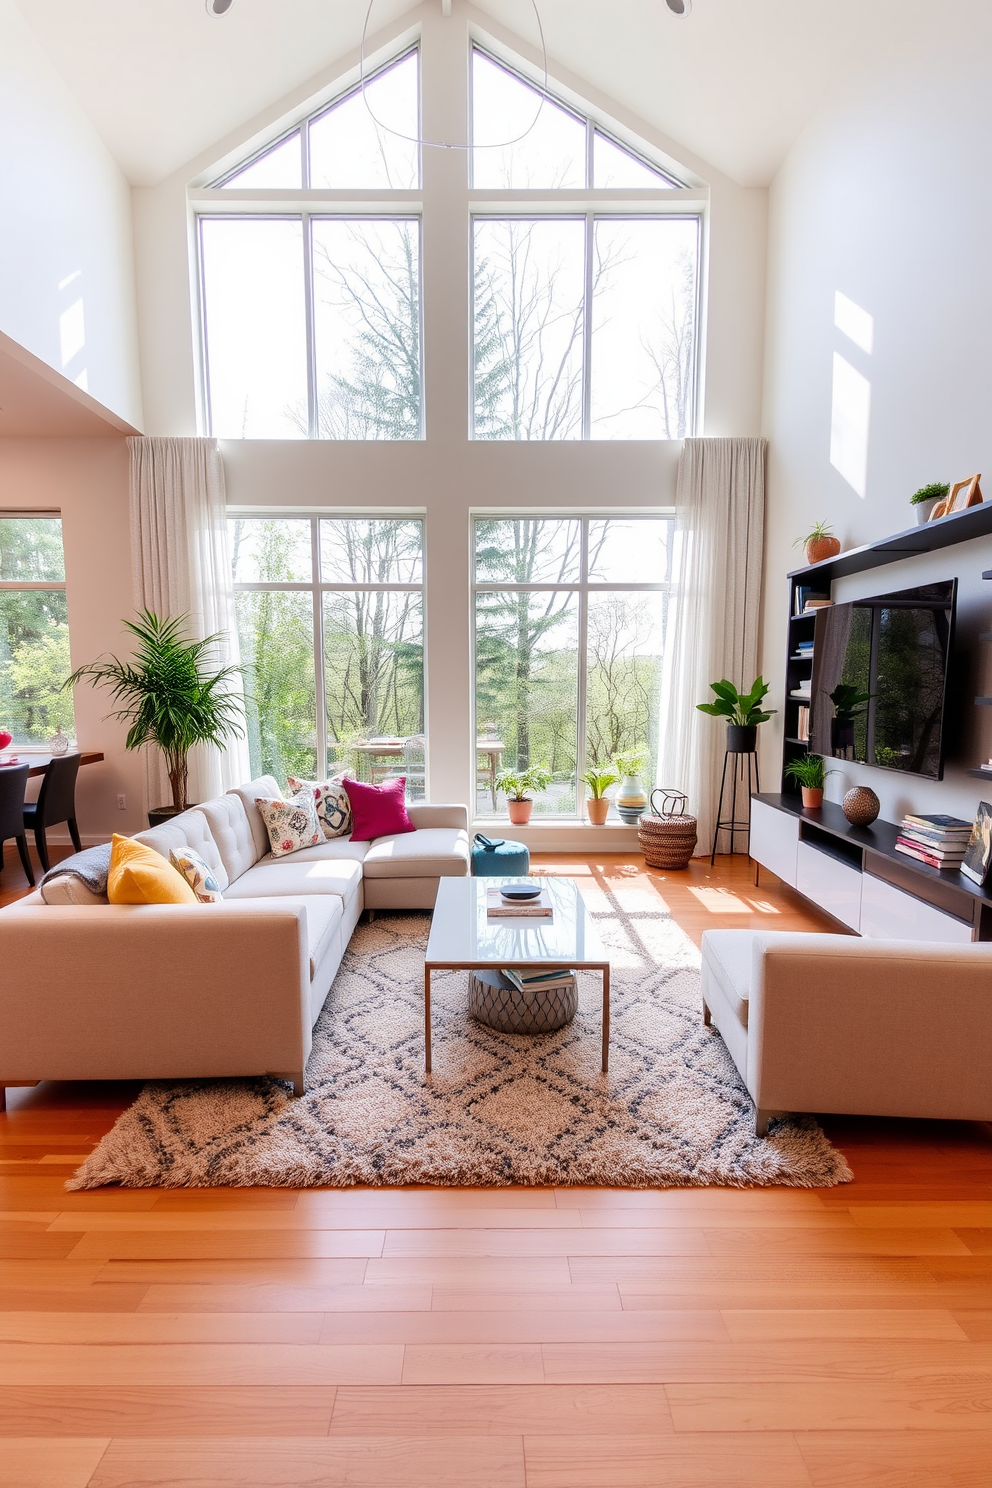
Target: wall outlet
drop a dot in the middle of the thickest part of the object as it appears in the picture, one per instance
(122, 803)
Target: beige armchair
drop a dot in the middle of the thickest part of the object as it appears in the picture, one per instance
(834, 1023)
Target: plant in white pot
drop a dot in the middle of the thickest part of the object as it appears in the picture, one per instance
(516, 786)
(631, 799)
(169, 697)
(597, 801)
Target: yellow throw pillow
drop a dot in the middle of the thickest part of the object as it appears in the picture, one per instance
(140, 875)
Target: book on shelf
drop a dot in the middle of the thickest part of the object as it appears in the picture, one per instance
(558, 978)
(939, 823)
(805, 595)
(802, 727)
(498, 908)
(923, 855)
(812, 605)
(934, 839)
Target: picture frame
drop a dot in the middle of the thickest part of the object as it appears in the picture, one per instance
(978, 854)
(962, 494)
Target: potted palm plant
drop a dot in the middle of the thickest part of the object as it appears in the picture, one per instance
(169, 697)
(743, 712)
(597, 802)
(515, 785)
(809, 775)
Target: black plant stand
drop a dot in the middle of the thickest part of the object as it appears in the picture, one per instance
(737, 773)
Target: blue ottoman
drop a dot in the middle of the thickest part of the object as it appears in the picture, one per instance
(492, 857)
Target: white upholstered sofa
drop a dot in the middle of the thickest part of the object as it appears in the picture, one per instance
(838, 1024)
(96, 991)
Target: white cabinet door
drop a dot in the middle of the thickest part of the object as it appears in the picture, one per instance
(887, 913)
(834, 886)
(774, 839)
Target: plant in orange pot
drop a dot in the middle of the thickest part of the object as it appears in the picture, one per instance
(597, 802)
(809, 775)
(819, 543)
(515, 785)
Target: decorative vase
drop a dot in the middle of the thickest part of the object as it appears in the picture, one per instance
(58, 743)
(924, 510)
(819, 548)
(812, 797)
(631, 799)
(519, 811)
(742, 738)
(6, 739)
(598, 808)
(861, 806)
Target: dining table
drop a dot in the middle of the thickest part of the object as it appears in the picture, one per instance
(391, 749)
(40, 762)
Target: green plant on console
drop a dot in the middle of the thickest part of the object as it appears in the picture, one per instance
(599, 782)
(816, 533)
(807, 771)
(516, 784)
(167, 696)
(741, 708)
(935, 491)
(849, 702)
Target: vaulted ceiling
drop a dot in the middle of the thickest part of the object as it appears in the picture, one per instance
(734, 81)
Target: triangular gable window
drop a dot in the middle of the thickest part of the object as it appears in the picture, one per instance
(346, 149)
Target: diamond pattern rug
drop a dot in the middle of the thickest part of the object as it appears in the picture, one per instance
(499, 1108)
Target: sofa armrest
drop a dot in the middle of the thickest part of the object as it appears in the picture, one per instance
(423, 815)
(897, 1028)
(153, 991)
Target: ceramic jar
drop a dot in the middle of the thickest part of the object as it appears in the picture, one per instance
(58, 743)
(631, 799)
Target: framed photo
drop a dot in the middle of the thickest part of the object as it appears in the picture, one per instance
(964, 494)
(978, 855)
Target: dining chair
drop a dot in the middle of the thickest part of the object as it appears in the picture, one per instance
(13, 782)
(56, 803)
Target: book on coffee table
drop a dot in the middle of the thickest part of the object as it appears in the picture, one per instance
(499, 908)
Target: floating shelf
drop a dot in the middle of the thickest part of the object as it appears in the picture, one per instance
(980, 774)
(974, 521)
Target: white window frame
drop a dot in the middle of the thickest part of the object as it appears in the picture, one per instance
(317, 588)
(51, 515)
(584, 588)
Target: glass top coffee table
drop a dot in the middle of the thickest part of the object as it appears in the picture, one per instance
(464, 938)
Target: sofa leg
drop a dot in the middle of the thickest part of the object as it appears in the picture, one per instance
(299, 1085)
(761, 1119)
(707, 1017)
(371, 915)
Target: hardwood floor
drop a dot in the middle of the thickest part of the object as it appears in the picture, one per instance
(578, 1338)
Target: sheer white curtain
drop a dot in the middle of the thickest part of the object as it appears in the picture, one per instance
(182, 566)
(720, 504)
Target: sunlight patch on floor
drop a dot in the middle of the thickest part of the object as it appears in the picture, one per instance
(721, 901)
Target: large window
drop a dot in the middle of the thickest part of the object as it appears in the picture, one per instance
(311, 322)
(584, 324)
(570, 627)
(34, 629)
(330, 624)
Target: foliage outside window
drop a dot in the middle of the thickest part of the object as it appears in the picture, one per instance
(330, 625)
(570, 629)
(34, 629)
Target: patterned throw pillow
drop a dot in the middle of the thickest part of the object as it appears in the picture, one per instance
(198, 874)
(333, 805)
(291, 825)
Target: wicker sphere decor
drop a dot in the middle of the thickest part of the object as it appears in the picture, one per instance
(667, 837)
(495, 1002)
(861, 806)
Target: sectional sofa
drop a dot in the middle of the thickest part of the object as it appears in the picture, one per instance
(95, 991)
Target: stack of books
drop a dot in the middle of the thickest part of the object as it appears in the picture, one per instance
(498, 908)
(802, 689)
(938, 841)
(808, 600)
(802, 726)
(559, 979)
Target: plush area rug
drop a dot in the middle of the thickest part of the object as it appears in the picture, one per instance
(499, 1108)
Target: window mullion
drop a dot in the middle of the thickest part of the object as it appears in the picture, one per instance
(320, 678)
(312, 417)
(587, 332)
(581, 687)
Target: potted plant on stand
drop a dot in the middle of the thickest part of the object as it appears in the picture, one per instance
(597, 802)
(631, 799)
(515, 784)
(169, 697)
(809, 774)
(743, 712)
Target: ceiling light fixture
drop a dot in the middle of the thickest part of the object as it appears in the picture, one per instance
(416, 139)
(217, 8)
(679, 7)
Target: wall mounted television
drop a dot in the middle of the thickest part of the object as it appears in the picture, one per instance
(897, 648)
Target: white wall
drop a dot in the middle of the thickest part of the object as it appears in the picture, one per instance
(87, 480)
(66, 270)
(887, 197)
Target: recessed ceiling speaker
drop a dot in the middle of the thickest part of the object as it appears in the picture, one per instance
(677, 7)
(218, 7)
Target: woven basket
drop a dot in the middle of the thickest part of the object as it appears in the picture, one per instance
(667, 842)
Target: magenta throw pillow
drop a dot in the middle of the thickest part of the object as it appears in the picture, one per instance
(377, 810)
